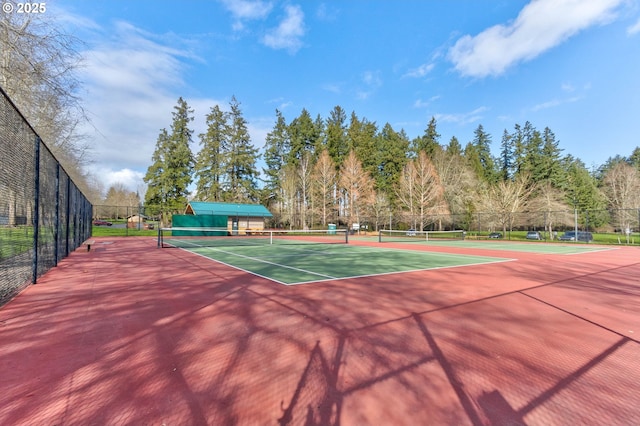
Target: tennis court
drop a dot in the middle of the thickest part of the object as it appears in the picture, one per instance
(455, 239)
(304, 263)
(129, 333)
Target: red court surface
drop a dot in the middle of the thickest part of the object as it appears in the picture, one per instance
(128, 334)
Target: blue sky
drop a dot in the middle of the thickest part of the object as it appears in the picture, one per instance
(570, 65)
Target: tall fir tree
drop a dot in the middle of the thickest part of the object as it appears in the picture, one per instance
(361, 138)
(170, 174)
(392, 150)
(582, 193)
(157, 184)
(336, 135)
(276, 151)
(634, 158)
(241, 172)
(551, 159)
(479, 155)
(305, 137)
(454, 148)
(429, 142)
(210, 166)
(506, 156)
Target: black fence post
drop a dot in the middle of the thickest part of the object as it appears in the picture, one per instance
(36, 209)
(67, 218)
(56, 225)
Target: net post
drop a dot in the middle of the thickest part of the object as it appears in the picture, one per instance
(159, 237)
(346, 236)
(379, 236)
(270, 237)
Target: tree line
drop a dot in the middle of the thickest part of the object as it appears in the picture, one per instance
(38, 70)
(346, 169)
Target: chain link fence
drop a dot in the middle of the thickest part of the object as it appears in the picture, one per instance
(43, 214)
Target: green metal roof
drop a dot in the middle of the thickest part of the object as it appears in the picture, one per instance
(228, 209)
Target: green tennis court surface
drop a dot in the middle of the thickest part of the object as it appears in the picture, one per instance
(519, 246)
(529, 247)
(298, 264)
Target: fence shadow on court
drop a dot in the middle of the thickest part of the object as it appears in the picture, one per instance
(488, 365)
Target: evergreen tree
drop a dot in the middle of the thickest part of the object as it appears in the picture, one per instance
(582, 193)
(454, 148)
(608, 165)
(169, 176)
(276, 151)
(157, 184)
(429, 142)
(305, 136)
(392, 152)
(209, 169)
(478, 153)
(522, 148)
(634, 158)
(551, 169)
(336, 135)
(506, 156)
(240, 160)
(532, 163)
(361, 138)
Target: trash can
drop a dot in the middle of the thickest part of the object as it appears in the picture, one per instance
(332, 229)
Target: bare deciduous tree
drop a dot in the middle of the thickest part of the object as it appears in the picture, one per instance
(324, 178)
(551, 201)
(304, 180)
(622, 190)
(508, 197)
(421, 192)
(289, 188)
(356, 188)
(38, 64)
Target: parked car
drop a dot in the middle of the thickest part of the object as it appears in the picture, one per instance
(102, 223)
(571, 236)
(411, 233)
(534, 235)
(495, 235)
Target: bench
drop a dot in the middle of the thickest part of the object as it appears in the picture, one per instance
(88, 244)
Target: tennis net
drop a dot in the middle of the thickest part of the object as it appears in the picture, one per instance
(394, 235)
(222, 237)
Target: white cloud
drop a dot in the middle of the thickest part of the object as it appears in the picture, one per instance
(570, 97)
(462, 118)
(288, 34)
(281, 103)
(132, 84)
(420, 103)
(333, 88)
(634, 29)
(556, 102)
(540, 26)
(244, 10)
(327, 13)
(132, 180)
(372, 81)
(420, 71)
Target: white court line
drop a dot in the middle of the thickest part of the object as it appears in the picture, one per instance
(329, 277)
(402, 272)
(358, 252)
